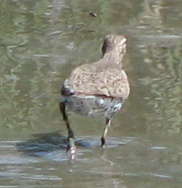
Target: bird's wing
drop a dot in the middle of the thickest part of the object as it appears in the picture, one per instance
(91, 80)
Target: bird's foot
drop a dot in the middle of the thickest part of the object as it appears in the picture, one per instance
(71, 149)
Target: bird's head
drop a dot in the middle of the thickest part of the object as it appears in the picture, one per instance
(114, 42)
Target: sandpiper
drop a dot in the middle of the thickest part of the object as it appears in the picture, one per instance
(97, 89)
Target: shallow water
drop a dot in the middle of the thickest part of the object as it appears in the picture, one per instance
(40, 43)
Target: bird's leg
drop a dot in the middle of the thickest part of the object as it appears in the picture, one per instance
(71, 143)
(107, 125)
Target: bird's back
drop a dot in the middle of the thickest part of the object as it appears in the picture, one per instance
(98, 78)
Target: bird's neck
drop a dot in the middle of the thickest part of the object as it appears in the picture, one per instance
(113, 57)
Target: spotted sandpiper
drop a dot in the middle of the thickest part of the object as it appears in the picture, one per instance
(97, 89)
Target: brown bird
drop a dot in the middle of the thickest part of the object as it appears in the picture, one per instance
(97, 89)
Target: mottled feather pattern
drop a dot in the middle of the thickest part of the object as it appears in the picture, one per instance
(110, 81)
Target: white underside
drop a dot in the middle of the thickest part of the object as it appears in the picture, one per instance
(93, 106)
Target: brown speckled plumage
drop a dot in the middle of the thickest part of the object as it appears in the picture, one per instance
(98, 87)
